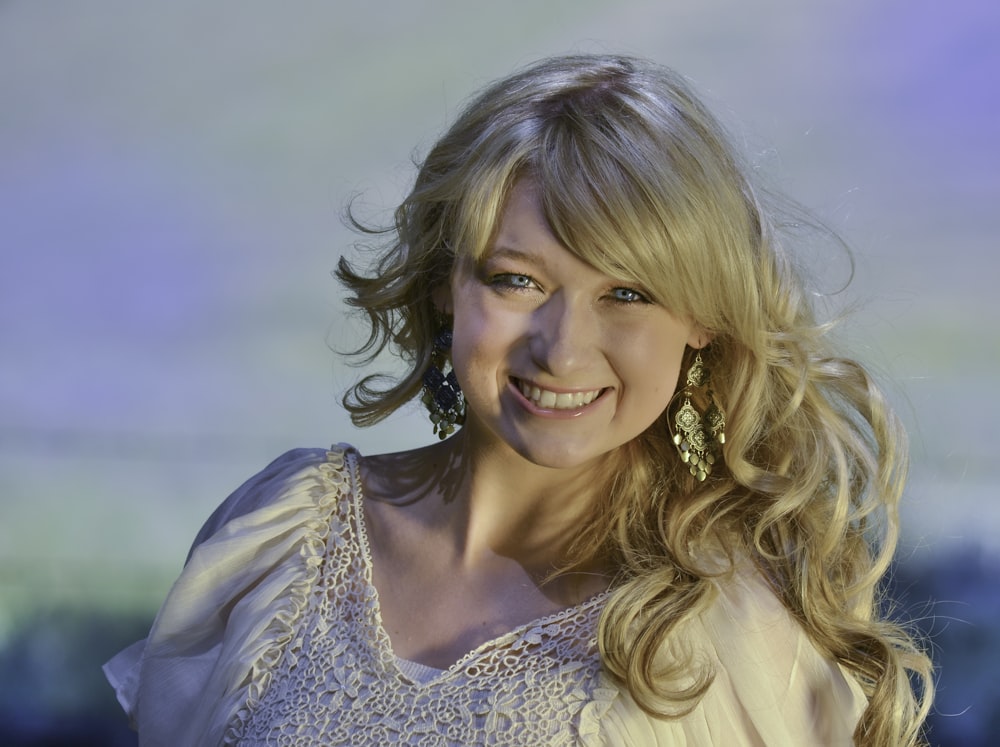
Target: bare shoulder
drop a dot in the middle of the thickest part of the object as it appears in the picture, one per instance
(398, 494)
(405, 477)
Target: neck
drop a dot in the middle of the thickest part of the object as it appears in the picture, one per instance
(492, 504)
(521, 510)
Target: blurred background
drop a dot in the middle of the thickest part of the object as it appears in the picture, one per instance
(172, 177)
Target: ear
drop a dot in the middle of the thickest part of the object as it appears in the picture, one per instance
(699, 337)
(442, 299)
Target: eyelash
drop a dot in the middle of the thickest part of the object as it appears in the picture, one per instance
(637, 296)
(504, 280)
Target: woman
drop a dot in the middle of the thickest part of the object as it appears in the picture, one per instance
(664, 507)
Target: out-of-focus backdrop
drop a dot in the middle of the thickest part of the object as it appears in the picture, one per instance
(171, 182)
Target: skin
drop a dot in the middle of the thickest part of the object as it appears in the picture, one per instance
(560, 365)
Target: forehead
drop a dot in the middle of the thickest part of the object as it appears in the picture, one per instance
(522, 218)
(524, 227)
(526, 242)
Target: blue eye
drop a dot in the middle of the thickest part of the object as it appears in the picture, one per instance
(512, 280)
(628, 295)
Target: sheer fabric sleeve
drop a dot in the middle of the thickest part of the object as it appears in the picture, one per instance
(772, 688)
(244, 583)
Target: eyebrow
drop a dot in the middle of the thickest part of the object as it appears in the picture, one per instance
(508, 252)
(519, 255)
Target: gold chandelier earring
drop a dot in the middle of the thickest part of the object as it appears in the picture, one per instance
(699, 424)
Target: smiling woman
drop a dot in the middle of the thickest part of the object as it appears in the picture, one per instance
(557, 361)
(665, 513)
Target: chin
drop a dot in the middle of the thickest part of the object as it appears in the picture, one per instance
(559, 456)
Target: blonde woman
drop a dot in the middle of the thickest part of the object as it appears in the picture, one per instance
(660, 505)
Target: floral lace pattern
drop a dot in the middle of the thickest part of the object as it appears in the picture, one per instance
(335, 677)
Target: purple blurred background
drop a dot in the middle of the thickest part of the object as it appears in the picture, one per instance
(171, 181)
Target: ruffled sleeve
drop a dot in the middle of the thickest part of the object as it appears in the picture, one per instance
(229, 614)
(772, 688)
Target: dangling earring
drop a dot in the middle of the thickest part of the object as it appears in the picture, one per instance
(698, 437)
(442, 395)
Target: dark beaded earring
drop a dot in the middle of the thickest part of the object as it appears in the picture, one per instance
(442, 394)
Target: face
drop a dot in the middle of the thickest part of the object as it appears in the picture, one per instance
(558, 361)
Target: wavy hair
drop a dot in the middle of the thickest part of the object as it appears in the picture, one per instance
(638, 179)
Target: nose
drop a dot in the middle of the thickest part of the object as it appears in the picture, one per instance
(563, 336)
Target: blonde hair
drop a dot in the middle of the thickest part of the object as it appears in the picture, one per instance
(637, 178)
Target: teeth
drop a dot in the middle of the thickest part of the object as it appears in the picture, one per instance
(557, 400)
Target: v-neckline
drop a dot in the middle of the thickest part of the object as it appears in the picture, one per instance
(384, 641)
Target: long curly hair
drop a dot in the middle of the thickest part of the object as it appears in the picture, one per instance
(638, 179)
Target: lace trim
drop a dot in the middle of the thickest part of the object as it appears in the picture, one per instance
(417, 672)
(530, 631)
(538, 684)
(326, 484)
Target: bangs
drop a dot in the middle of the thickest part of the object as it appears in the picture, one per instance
(637, 185)
(610, 204)
(603, 198)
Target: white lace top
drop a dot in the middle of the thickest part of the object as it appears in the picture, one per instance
(272, 636)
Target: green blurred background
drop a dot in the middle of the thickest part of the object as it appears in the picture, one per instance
(171, 182)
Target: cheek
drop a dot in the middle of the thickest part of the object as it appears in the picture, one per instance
(666, 384)
(466, 322)
(477, 345)
(656, 360)
(462, 351)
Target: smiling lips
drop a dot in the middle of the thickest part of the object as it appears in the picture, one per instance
(549, 400)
